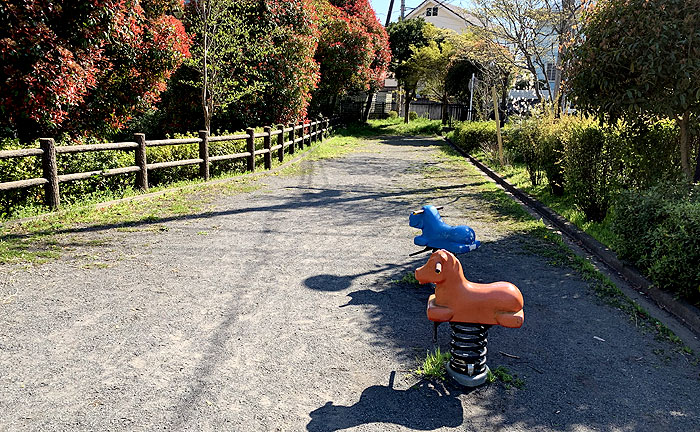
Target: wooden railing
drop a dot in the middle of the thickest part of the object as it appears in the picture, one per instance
(298, 135)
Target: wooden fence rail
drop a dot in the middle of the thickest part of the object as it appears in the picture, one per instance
(299, 135)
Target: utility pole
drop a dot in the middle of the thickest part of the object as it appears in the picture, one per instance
(403, 9)
(388, 16)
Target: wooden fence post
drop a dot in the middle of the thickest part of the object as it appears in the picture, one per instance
(314, 129)
(250, 141)
(266, 144)
(301, 143)
(204, 154)
(291, 138)
(52, 196)
(140, 159)
(280, 142)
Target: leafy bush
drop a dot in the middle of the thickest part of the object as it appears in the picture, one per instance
(649, 152)
(659, 231)
(590, 167)
(470, 136)
(412, 115)
(525, 140)
(393, 114)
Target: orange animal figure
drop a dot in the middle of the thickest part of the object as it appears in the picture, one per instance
(458, 300)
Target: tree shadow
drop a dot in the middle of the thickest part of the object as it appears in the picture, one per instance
(422, 407)
(571, 379)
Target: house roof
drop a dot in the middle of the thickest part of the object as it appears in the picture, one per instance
(455, 11)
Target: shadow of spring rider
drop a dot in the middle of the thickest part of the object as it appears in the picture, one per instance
(470, 308)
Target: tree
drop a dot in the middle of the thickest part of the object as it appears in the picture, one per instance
(445, 65)
(495, 68)
(533, 31)
(353, 50)
(252, 63)
(433, 62)
(637, 58)
(84, 66)
(403, 36)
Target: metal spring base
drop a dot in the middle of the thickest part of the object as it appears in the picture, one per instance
(467, 363)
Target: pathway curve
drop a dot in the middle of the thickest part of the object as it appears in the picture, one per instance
(280, 310)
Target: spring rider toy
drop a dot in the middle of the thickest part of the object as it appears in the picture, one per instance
(436, 234)
(470, 308)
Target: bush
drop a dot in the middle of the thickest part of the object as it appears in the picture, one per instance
(412, 115)
(659, 231)
(525, 140)
(470, 136)
(393, 114)
(650, 153)
(591, 166)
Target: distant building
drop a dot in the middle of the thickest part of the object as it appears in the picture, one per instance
(444, 15)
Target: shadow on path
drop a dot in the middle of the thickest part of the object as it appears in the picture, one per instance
(421, 407)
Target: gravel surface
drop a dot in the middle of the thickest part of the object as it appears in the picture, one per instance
(280, 309)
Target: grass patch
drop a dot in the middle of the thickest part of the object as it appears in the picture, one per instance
(396, 126)
(40, 238)
(516, 174)
(433, 367)
(503, 375)
(407, 279)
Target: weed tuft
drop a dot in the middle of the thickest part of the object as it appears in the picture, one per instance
(433, 367)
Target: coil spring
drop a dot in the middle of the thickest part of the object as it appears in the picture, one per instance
(468, 348)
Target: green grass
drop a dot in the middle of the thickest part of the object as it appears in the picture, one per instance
(396, 126)
(39, 238)
(516, 174)
(503, 375)
(433, 366)
(407, 279)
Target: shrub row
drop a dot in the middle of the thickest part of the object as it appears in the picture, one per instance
(627, 171)
(659, 231)
(588, 161)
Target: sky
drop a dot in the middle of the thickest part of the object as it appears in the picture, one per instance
(381, 7)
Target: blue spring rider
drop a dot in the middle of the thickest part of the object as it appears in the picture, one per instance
(438, 235)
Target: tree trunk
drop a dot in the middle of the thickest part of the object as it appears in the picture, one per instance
(685, 153)
(368, 106)
(445, 104)
(696, 177)
(407, 106)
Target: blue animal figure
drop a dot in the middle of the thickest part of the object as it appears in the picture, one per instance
(438, 235)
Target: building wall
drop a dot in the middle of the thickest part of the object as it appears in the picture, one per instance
(445, 19)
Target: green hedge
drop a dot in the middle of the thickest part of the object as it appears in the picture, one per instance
(471, 136)
(659, 231)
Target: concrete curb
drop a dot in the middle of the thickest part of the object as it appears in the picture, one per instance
(685, 312)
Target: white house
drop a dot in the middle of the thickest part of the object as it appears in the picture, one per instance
(444, 15)
(448, 16)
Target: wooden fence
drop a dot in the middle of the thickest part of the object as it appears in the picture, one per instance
(298, 135)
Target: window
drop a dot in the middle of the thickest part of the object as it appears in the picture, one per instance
(435, 11)
(551, 72)
(428, 12)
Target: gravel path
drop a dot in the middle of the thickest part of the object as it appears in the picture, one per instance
(280, 310)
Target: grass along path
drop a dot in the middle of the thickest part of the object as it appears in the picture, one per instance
(37, 236)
